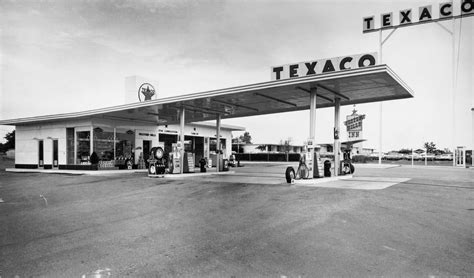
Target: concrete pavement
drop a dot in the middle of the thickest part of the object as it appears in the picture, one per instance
(230, 227)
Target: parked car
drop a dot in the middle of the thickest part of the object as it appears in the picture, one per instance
(447, 156)
(429, 156)
(417, 156)
(394, 156)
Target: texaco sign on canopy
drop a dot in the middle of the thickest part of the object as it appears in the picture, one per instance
(323, 66)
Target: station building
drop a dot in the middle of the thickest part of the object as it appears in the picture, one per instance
(60, 144)
(67, 143)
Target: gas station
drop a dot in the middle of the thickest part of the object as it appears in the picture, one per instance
(139, 133)
(347, 80)
(143, 187)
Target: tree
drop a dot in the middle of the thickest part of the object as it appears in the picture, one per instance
(430, 147)
(10, 144)
(262, 147)
(405, 151)
(246, 138)
(286, 144)
(242, 139)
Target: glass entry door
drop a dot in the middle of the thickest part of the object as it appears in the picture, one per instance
(40, 154)
(460, 156)
(55, 153)
(146, 149)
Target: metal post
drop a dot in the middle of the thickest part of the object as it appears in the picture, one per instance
(336, 148)
(181, 138)
(75, 147)
(312, 114)
(91, 145)
(380, 133)
(218, 143)
(380, 104)
(426, 156)
(115, 143)
(453, 88)
(412, 162)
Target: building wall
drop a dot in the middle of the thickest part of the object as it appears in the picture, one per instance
(27, 137)
(27, 146)
(253, 148)
(140, 135)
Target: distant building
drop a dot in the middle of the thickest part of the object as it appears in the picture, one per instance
(265, 148)
(325, 148)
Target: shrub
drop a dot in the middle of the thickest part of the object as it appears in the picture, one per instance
(360, 159)
(94, 159)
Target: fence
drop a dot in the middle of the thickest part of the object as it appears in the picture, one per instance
(267, 156)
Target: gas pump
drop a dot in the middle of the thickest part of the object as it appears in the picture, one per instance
(346, 163)
(175, 159)
(313, 160)
(310, 165)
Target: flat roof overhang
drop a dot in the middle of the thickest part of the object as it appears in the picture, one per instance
(355, 86)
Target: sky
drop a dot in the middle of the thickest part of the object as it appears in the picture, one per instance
(67, 56)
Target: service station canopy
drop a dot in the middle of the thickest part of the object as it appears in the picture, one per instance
(353, 86)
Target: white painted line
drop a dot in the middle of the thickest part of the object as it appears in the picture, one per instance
(376, 166)
(191, 175)
(389, 248)
(360, 183)
(309, 182)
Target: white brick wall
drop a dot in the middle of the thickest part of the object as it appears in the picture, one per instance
(27, 137)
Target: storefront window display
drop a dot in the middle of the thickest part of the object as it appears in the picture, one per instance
(189, 144)
(104, 144)
(70, 145)
(124, 146)
(83, 147)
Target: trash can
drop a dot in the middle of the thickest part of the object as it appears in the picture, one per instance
(220, 164)
(327, 168)
(202, 165)
(226, 165)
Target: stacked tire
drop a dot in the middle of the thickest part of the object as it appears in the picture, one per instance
(156, 162)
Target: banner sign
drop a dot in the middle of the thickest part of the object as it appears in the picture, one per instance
(323, 66)
(421, 15)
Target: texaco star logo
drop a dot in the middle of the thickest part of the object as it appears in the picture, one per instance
(145, 92)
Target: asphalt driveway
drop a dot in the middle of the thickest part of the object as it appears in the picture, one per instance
(60, 225)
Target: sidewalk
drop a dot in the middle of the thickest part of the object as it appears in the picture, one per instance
(375, 165)
(210, 171)
(77, 172)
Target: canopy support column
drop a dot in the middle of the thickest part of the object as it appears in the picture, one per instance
(115, 143)
(337, 147)
(218, 143)
(312, 114)
(181, 138)
(91, 145)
